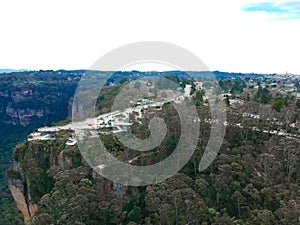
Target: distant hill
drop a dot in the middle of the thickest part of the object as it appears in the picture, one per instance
(11, 70)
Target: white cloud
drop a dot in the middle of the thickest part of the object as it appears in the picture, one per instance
(278, 10)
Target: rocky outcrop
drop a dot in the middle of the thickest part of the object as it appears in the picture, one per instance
(44, 169)
(33, 160)
(18, 187)
(62, 160)
(19, 198)
(27, 210)
(20, 115)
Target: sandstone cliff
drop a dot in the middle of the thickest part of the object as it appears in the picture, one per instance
(31, 159)
(48, 176)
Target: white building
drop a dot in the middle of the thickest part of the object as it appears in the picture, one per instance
(198, 85)
(187, 90)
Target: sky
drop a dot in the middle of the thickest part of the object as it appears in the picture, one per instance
(233, 35)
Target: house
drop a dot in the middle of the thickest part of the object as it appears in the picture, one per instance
(296, 125)
(40, 136)
(71, 142)
(227, 95)
(198, 85)
(187, 90)
(145, 101)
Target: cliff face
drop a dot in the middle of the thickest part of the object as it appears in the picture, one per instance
(15, 106)
(47, 178)
(28, 98)
(18, 188)
(24, 116)
(33, 160)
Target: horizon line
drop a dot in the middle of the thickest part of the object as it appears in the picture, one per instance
(2, 71)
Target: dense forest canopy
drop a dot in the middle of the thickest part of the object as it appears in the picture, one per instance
(254, 179)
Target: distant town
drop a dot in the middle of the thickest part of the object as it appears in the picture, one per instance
(268, 89)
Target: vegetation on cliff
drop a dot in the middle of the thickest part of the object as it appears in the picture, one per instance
(254, 179)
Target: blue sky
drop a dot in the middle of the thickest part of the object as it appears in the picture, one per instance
(232, 35)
